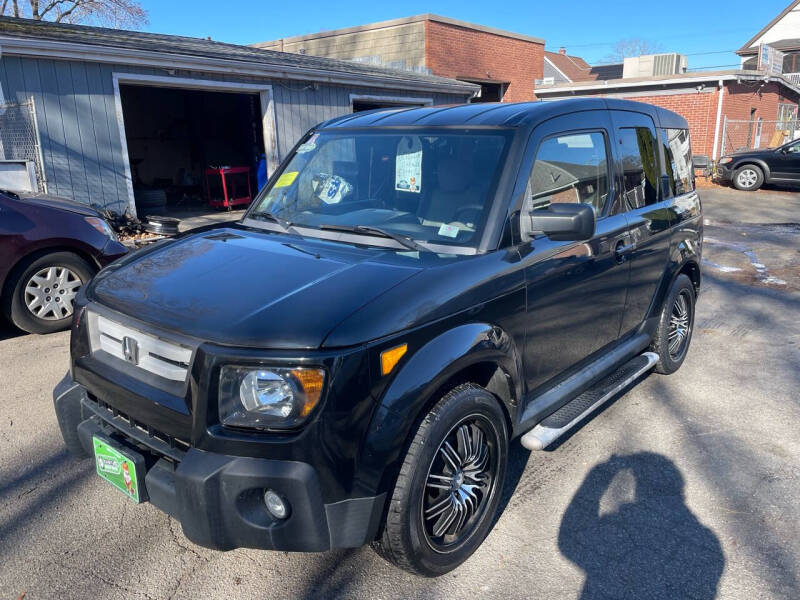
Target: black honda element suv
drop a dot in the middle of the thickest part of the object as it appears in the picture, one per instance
(411, 291)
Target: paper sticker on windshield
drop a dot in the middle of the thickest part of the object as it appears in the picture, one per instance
(330, 188)
(408, 165)
(450, 231)
(286, 179)
(309, 145)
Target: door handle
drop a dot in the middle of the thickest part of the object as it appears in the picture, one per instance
(622, 250)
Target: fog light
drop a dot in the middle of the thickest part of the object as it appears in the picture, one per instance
(276, 505)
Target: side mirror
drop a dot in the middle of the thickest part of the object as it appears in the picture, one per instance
(564, 222)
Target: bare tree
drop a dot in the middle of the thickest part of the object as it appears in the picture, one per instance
(632, 47)
(111, 13)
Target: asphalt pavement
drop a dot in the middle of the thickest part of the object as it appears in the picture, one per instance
(685, 486)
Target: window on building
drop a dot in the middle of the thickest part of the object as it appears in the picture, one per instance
(787, 114)
(570, 168)
(791, 62)
(678, 155)
(640, 168)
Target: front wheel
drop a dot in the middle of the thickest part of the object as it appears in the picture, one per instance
(446, 496)
(675, 326)
(43, 290)
(748, 178)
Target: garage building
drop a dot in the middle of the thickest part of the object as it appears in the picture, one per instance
(120, 118)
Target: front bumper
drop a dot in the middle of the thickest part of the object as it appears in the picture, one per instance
(723, 174)
(111, 252)
(217, 498)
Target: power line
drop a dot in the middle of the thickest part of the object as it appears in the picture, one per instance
(714, 67)
(671, 37)
(705, 53)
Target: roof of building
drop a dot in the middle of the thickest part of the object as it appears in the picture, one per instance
(402, 21)
(746, 49)
(787, 44)
(664, 81)
(497, 114)
(81, 42)
(575, 68)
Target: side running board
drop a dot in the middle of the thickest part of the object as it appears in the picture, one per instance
(572, 413)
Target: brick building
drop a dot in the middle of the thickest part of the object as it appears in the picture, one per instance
(711, 102)
(503, 63)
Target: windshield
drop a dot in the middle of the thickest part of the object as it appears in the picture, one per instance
(427, 187)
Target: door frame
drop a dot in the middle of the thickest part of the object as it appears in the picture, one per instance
(390, 100)
(267, 102)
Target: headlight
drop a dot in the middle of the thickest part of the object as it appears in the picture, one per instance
(268, 398)
(725, 160)
(102, 226)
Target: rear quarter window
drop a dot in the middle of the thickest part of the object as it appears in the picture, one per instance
(678, 158)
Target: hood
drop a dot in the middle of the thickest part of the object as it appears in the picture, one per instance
(248, 288)
(60, 203)
(751, 152)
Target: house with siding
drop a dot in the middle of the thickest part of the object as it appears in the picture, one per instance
(783, 34)
(118, 114)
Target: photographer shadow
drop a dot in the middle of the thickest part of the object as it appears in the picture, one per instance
(629, 529)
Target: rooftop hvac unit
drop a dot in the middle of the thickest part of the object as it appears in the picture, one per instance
(654, 64)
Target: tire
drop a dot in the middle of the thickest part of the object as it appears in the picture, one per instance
(409, 540)
(27, 284)
(682, 293)
(748, 178)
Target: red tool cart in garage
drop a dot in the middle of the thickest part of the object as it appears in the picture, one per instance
(228, 187)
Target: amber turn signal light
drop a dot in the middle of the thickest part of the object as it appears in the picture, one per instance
(311, 381)
(390, 358)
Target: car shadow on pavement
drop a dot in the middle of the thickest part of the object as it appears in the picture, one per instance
(8, 331)
(629, 529)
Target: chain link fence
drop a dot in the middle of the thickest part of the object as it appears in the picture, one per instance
(757, 134)
(19, 137)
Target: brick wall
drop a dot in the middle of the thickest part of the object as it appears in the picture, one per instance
(699, 110)
(743, 102)
(458, 52)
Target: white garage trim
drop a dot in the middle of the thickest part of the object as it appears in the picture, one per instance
(389, 100)
(2, 99)
(264, 91)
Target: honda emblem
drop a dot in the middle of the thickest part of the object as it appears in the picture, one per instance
(130, 350)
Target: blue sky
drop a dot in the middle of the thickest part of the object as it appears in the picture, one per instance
(706, 30)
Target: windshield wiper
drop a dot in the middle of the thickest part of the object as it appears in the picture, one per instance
(268, 216)
(403, 240)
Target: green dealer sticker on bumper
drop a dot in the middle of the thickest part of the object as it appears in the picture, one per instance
(116, 468)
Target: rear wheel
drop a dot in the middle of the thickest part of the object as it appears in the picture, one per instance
(675, 327)
(446, 496)
(748, 178)
(42, 291)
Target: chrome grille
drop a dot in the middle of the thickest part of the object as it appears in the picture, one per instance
(148, 352)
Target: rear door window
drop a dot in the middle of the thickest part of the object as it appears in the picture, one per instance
(570, 167)
(639, 165)
(678, 157)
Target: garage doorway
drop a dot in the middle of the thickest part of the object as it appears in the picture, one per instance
(177, 137)
(360, 102)
(491, 91)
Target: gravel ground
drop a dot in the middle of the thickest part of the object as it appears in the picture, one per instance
(684, 487)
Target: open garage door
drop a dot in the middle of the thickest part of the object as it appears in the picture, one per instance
(190, 148)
